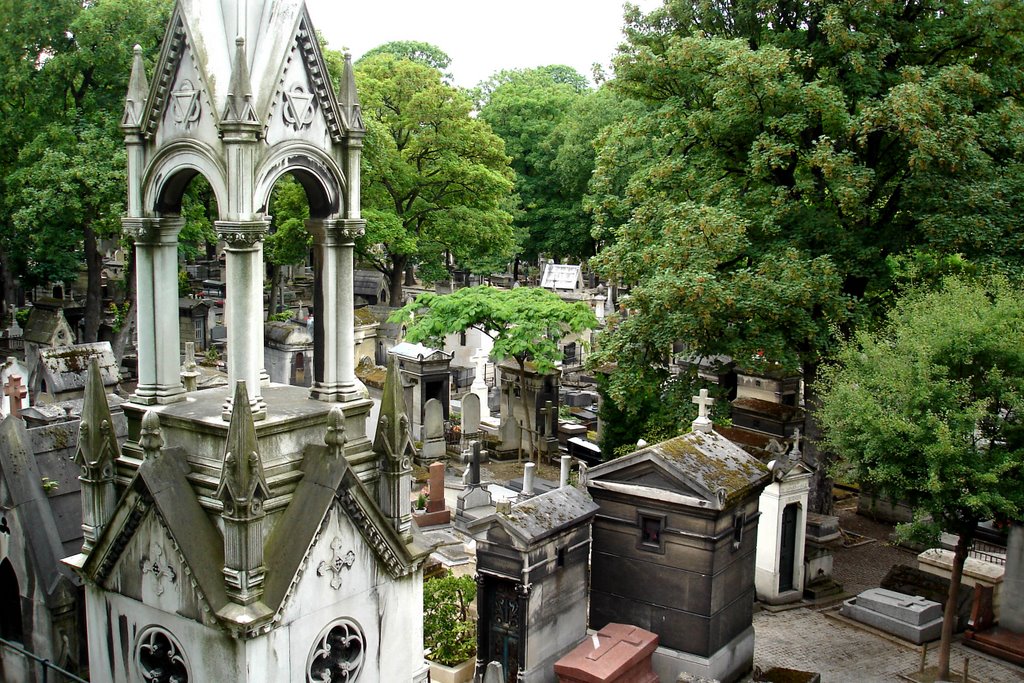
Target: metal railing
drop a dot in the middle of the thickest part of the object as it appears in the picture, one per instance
(46, 664)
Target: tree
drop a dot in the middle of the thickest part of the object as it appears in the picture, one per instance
(436, 181)
(928, 409)
(289, 242)
(524, 108)
(804, 145)
(526, 323)
(415, 51)
(65, 189)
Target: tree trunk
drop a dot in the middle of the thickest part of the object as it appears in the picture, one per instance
(820, 496)
(515, 270)
(410, 275)
(398, 263)
(949, 614)
(275, 288)
(121, 337)
(7, 286)
(94, 286)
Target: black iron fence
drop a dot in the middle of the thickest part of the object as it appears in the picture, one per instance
(10, 652)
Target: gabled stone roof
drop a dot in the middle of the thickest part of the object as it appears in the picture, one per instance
(702, 463)
(534, 519)
(64, 367)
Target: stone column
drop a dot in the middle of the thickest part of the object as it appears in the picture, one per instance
(334, 310)
(156, 277)
(243, 308)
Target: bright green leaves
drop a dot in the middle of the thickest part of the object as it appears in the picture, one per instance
(929, 408)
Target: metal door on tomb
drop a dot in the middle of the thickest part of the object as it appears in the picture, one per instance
(504, 628)
(787, 551)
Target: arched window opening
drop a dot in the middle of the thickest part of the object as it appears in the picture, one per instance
(10, 604)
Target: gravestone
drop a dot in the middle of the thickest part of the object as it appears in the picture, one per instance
(470, 420)
(436, 512)
(532, 579)
(549, 430)
(13, 367)
(433, 433)
(821, 539)
(15, 392)
(474, 501)
(909, 617)
(479, 386)
(189, 369)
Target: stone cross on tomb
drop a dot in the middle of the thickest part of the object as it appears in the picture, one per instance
(16, 392)
(703, 401)
(550, 414)
(480, 361)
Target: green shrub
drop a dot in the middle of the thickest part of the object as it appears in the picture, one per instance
(449, 632)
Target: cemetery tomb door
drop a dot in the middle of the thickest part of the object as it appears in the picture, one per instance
(504, 628)
(787, 550)
(10, 604)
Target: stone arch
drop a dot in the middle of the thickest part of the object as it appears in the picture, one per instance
(173, 169)
(11, 625)
(319, 175)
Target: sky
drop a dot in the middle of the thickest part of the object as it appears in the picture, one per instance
(481, 36)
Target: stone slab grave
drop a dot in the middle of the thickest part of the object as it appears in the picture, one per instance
(618, 653)
(908, 580)
(906, 616)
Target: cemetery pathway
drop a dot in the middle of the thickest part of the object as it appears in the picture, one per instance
(808, 640)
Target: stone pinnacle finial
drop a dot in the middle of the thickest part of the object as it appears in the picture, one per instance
(239, 109)
(348, 98)
(392, 439)
(243, 486)
(138, 92)
(97, 443)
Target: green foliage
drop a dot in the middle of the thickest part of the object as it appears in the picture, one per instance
(436, 180)
(198, 205)
(120, 313)
(525, 322)
(787, 153)
(21, 316)
(184, 284)
(282, 317)
(414, 51)
(525, 108)
(449, 632)
(928, 408)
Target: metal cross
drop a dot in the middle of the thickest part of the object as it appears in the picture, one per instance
(337, 563)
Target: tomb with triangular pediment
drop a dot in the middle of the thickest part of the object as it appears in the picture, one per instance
(252, 532)
(674, 549)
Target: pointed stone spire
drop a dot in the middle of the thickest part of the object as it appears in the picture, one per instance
(243, 490)
(138, 92)
(335, 438)
(96, 453)
(348, 98)
(393, 445)
(239, 109)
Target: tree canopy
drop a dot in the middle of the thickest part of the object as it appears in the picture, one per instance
(436, 181)
(928, 410)
(414, 51)
(787, 153)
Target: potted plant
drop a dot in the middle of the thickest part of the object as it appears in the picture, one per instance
(449, 630)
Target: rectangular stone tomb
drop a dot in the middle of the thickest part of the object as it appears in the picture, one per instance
(618, 653)
(907, 616)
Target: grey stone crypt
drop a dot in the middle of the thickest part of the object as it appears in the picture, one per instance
(255, 533)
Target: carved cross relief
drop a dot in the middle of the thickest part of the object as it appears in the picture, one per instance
(159, 568)
(337, 563)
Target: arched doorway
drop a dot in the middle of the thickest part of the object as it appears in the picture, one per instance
(11, 627)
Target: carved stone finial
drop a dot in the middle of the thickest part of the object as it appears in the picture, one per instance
(336, 437)
(138, 92)
(152, 437)
(392, 440)
(243, 486)
(97, 444)
(348, 98)
(239, 109)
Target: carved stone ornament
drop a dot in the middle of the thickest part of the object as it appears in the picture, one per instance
(185, 105)
(241, 235)
(159, 568)
(159, 657)
(298, 110)
(337, 563)
(338, 654)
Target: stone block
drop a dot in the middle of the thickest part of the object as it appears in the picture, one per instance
(618, 653)
(911, 609)
(915, 633)
(822, 528)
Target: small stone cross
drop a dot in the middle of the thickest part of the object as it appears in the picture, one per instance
(550, 413)
(16, 392)
(337, 563)
(703, 402)
(159, 569)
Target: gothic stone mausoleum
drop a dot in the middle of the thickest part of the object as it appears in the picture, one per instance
(252, 533)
